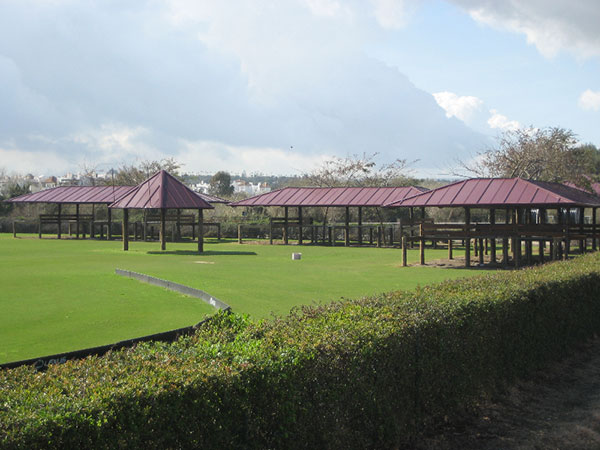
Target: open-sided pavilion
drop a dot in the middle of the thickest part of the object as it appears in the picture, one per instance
(162, 191)
(524, 205)
(327, 197)
(90, 198)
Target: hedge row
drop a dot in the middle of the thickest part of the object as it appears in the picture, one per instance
(369, 373)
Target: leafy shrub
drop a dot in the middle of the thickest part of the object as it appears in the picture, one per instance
(367, 373)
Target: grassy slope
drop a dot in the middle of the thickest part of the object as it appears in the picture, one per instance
(63, 295)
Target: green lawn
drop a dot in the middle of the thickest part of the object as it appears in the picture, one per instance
(64, 295)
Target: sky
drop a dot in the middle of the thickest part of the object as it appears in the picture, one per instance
(280, 86)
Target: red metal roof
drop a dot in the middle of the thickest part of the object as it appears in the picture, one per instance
(88, 195)
(336, 196)
(75, 194)
(489, 192)
(162, 190)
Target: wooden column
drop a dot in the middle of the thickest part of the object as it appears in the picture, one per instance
(200, 230)
(582, 242)
(411, 217)
(481, 252)
(59, 234)
(421, 245)
(404, 251)
(270, 231)
(109, 230)
(594, 243)
(163, 229)
(347, 227)
(493, 240)
(285, 226)
(300, 225)
(468, 239)
(92, 231)
(360, 230)
(450, 256)
(125, 232)
(77, 221)
(568, 237)
(145, 230)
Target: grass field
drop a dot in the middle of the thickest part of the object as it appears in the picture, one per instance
(63, 295)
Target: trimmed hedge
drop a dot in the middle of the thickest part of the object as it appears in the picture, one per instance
(368, 373)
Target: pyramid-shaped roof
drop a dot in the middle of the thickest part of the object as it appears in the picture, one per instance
(501, 192)
(162, 190)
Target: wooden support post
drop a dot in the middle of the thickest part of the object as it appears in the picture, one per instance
(109, 230)
(39, 227)
(392, 236)
(541, 245)
(421, 246)
(125, 232)
(200, 230)
(553, 250)
(481, 256)
(347, 227)
(270, 231)
(505, 252)
(582, 242)
(371, 235)
(14, 228)
(92, 231)
(517, 252)
(59, 221)
(594, 242)
(379, 235)
(330, 235)
(404, 251)
(239, 233)
(285, 226)
(450, 256)
(145, 226)
(77, 221)
(360, 230)
(163, 229)
(178, 225)
(468, 239)
(492, 240)
(568, 238)
(300, 225)
(411, 217)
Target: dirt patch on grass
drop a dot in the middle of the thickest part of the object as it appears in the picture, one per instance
(557, 408)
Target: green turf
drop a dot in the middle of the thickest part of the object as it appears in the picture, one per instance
(63, 295)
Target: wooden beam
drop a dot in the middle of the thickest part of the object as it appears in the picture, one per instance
(200, 230)
(125, 232)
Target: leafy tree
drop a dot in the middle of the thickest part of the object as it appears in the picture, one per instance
(11, 190)
(220, 184)
(132, 174)
(544, 154)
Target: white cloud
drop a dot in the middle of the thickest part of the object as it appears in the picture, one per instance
(210, 157)
(499, 121)
(550, 25)
(462, 107)
(392, 14)
(114, 82)
(590, 100)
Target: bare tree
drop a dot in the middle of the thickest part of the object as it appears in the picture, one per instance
(546, 154)
(132, 174)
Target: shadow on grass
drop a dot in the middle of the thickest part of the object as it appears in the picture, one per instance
(206, 253)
